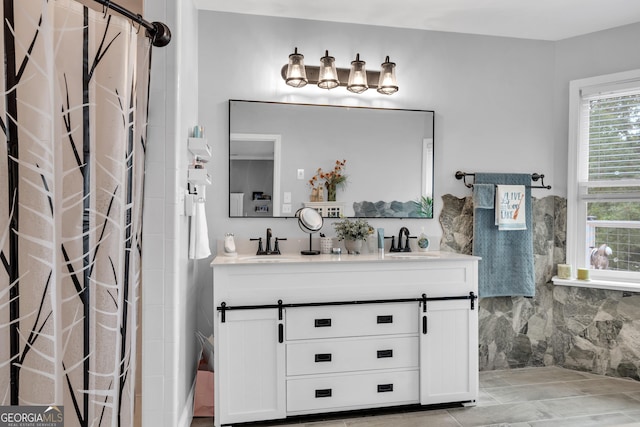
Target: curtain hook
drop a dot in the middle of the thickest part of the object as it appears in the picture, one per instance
(138, 21)
(105, 8)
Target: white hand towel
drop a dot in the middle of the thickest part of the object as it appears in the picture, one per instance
(199, 233)
(511, 207)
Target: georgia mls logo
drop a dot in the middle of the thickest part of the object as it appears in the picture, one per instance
(31, 416)
(57, 412)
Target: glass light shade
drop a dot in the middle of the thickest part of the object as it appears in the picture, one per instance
(328, 77)
(387, 84)
(296, 73)
(357, 76)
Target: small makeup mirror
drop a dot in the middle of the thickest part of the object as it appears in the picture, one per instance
(310, 221)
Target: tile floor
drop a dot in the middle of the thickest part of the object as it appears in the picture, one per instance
(536, 397)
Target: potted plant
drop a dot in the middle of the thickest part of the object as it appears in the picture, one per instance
(353, 233)
(424, 207)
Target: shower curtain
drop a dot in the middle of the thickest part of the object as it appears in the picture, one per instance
(73, 120)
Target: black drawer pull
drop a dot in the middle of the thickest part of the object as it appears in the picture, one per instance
(385, 388)
(385, 353)
(323, 323)
(280, 333)
(323, 357)
(385, 319)
(325, 392)
(424, 325)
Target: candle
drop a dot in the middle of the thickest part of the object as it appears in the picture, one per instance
(583, 274)
(564, 271)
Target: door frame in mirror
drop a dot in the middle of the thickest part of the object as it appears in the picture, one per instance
(276, 140)
(427, 167)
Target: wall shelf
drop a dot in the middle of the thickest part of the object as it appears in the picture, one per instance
(198, 176)
(200, 148)
(327, 209)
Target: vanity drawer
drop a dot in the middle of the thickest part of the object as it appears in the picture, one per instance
(351, 320)
(344, 392)
(326, 356)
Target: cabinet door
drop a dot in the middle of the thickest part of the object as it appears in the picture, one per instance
(448, 352)
(251, 369)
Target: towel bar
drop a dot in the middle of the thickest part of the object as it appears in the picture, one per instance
(534, 177)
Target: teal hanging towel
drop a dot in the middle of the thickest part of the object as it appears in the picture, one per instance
(506, 267)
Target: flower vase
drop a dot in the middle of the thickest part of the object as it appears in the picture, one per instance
(353, 246)
(331, 192)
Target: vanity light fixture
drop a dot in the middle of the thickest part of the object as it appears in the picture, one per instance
(356, 79)
(388, 84)
(357, 76)
(296, 74)
(328, 74)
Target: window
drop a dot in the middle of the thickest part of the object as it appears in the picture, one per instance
(603, 204)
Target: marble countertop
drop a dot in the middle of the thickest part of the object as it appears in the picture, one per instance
(291, 258)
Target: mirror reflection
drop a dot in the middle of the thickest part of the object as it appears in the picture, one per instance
(283, 157)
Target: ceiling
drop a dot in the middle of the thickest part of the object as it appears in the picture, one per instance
(531, 19)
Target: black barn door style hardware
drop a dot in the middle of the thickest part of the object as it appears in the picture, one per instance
(319, 323)
(223, 310)
(280, 324)
(424, 316)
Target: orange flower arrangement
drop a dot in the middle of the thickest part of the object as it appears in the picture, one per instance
(332, 178)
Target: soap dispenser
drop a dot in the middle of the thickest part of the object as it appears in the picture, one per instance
(423, 241)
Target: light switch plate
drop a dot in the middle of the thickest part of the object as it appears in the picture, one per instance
(300, 173)
(286, 208)
(287, 197)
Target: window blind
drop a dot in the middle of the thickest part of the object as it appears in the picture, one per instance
(614, 138)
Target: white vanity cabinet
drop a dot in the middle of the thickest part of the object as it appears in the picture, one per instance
(250, 367)
(327, 334)
(449, 353)
(351, 357)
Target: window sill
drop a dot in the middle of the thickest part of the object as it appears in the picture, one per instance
(598, 284)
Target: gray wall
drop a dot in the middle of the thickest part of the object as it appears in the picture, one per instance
(595, 54)
(475, 84)
(500, 103)
(492, 96)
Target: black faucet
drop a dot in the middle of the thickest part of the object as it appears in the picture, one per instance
(269, 234)
(404, 231)
(267, 250)
(260, 250)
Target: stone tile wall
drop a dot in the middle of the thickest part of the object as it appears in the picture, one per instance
(579, 328)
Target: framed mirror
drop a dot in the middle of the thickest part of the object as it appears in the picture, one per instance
(284, 156)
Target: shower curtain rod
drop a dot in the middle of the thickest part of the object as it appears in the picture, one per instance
(158, 32)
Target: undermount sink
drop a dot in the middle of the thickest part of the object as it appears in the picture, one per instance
(413, 255)
(267, 258)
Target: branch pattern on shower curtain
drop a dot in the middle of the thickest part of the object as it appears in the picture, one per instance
(73, 119)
